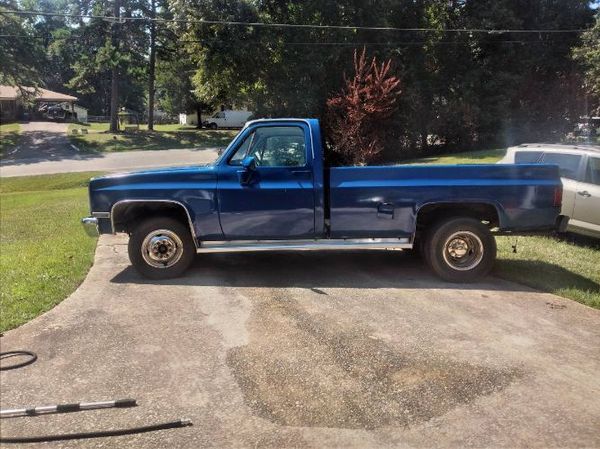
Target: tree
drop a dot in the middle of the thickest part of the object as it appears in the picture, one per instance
(50, 32)
(20, 51)
(588, 55)
(460, 89)
(224, 67)
(110, 68)
(278, 71)
(356, 117)
(174, 88)
(152, 65)
(114, 71)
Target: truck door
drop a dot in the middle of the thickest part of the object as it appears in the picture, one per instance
(272, 197)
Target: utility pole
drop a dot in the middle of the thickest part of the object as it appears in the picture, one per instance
(114, 83)
(151, 70)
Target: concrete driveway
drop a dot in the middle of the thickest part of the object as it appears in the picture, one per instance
(360, 349)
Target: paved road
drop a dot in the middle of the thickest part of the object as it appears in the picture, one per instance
(312, 350)
(44, 148)
(107, 162)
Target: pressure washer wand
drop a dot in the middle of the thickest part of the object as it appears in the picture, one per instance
(66, 408)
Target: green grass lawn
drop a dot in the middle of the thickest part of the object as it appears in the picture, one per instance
(557, 266)
(45, 254)
(470, 157)
(164, 137)
(565, 268)
(9, 135)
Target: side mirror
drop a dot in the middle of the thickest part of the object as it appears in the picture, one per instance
(248, 169)
(249, 163)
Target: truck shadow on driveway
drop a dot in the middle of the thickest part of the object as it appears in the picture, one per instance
(367, 269)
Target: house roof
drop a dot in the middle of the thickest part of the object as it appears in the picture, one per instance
(40, 94)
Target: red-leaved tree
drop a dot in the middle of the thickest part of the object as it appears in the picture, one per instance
(356, 117)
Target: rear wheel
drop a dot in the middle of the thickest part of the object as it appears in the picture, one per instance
(161, 248)
(460, 249)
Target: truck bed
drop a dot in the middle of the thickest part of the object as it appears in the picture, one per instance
(524, 196)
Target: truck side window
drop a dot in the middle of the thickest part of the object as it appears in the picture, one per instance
(568, 164)
(592, 174)
(279, 146)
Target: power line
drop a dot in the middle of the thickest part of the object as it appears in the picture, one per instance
(360, 44)
(286, 25)
(341, 44)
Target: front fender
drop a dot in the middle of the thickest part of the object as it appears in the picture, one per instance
(119, 209)
(191, 188)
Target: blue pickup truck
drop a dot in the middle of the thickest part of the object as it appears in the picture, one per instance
(270, 190)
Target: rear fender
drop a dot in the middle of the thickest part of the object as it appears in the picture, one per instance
(489, 211)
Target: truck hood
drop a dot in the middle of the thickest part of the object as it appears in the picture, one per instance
(152, 171)
(162, 183)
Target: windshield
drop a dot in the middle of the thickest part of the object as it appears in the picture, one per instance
(226, 150)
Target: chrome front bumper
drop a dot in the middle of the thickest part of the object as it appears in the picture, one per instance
(90, 224)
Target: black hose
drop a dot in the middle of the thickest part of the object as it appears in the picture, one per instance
(99, 434)
(4, 355)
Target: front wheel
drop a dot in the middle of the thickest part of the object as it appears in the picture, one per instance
(460, 249)
(161, 248)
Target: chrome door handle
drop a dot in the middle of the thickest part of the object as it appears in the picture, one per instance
(584, 193)
(385, 210)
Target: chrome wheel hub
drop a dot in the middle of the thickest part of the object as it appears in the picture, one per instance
(162, 248)
(463, 250)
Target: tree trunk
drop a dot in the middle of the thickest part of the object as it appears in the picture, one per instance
(114, 83)
(151, 70)
(199, 115)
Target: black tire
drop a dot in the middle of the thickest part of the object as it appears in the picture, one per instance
(460, 249)
(169, 231)
(212, 126)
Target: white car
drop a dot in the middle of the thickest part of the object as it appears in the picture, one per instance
(228, 119)
(580, 173)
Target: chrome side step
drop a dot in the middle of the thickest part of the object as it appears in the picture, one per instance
(302, 245)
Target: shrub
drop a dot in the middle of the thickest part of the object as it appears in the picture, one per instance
(356, 117)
